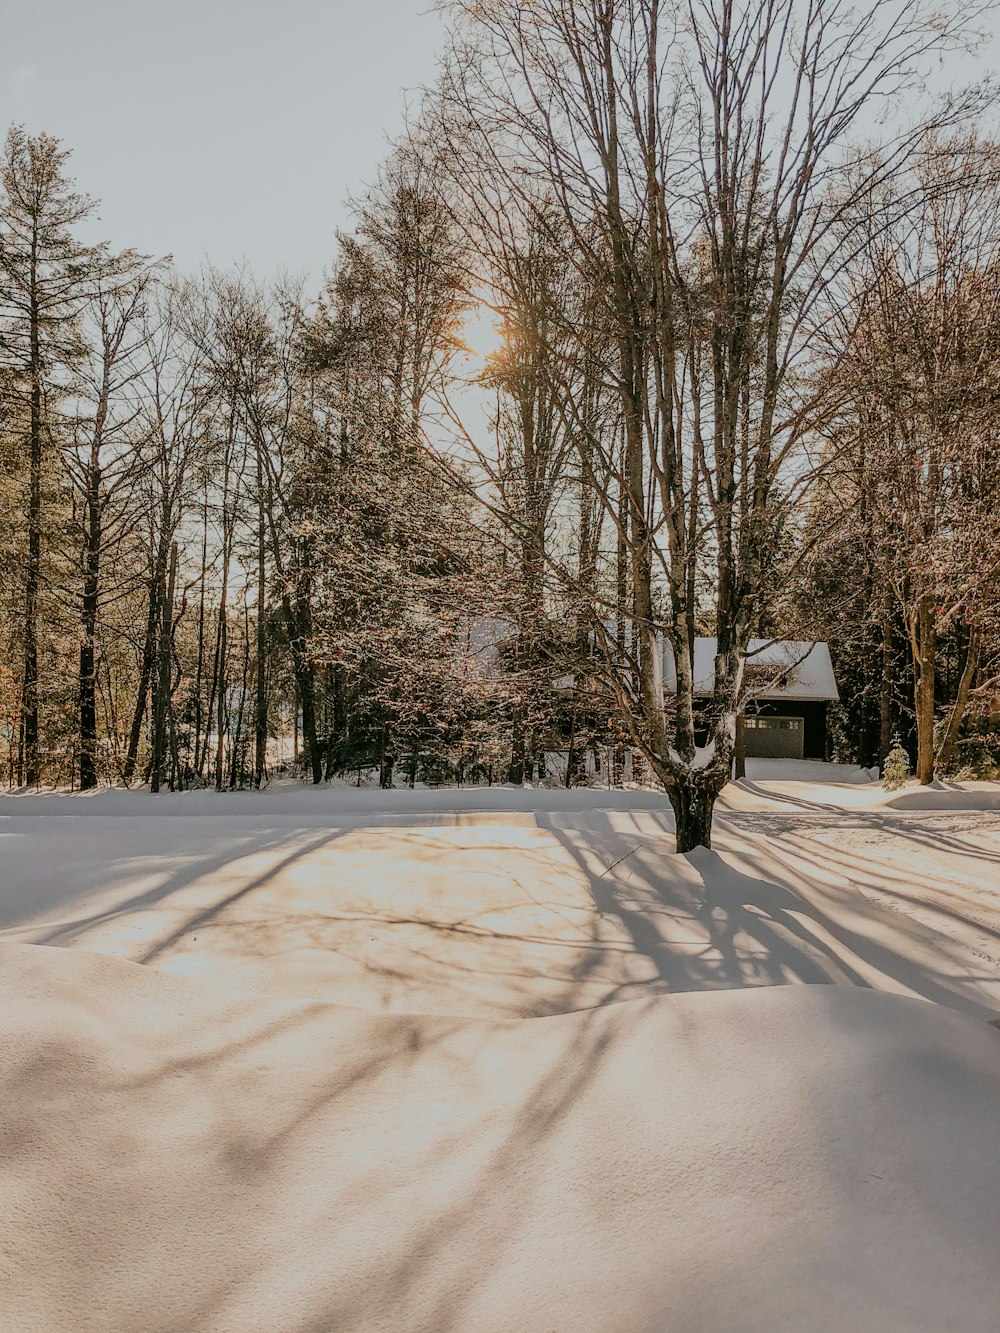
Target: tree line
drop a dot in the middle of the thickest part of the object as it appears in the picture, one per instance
(743, 386)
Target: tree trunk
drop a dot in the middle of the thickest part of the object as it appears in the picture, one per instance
(146, 669)
(88, 664)
(740, 750)
(297, 624)
(89, 605)
(692, 804)
(926, 639)
(572, 759)
(515, 771)
(885, 691)
(386, 762)
(260, 711)
(337, 728)
(221, 649)
(163, 687)
(957, 714)
(29, 696)
(199, 675)
(236, 773)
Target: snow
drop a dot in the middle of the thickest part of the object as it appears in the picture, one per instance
(795, 1158)
(485, 902)
(497, 1059)
(807, 664)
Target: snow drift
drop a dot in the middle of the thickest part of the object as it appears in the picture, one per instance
(798, 1158)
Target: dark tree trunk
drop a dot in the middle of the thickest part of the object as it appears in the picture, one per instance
(199, 675)
(925, 679)
(740, 750)
(692, 805)
(337, 727)
(88, 663)
(310, 740)
(957, 714)
(260, 710)
(515, 770)
(298, 627)
(146, 668)
(160, 737)
(236, 768)
(221, 652)
(885, 691)
(89, 603)
(572, 758)
(29, 697)
(386, 762)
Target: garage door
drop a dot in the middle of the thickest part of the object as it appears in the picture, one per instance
(775, 737)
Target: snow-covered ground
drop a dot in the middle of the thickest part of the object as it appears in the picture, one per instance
(502, 902)
(434, 1060)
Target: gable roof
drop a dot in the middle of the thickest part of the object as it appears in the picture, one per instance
(798, 668)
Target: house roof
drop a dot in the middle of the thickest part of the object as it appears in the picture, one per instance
(791, 668)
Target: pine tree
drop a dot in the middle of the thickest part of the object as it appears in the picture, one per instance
(45, 279)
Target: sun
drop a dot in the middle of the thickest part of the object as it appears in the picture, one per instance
(481, 336)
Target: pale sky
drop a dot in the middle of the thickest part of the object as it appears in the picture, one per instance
(219, 129)
(231, 129)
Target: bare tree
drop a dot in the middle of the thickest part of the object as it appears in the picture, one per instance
(707, 170)
(101, 461)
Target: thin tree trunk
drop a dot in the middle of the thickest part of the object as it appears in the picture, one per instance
(260, 711)
(957, 714)
(926, 644)
(199, 675)
(235, 766)
(740, 749)
(515, 772)
(298, 629)
(90, 598)
(88, 669)
(29, 697)
(386, 761)
(885, 690)
(163, 686)
(221, 647)
(146, 668)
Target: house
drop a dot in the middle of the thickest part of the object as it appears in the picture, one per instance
(790, 685)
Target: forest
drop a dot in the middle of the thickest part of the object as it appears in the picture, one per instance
(631, 342)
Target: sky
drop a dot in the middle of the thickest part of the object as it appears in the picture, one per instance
(230, 130)
(225, 130)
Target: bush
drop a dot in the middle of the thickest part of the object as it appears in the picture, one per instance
(977, 757)
(896, 768)
(436, 770)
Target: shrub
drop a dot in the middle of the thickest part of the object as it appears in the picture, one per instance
(896, 768)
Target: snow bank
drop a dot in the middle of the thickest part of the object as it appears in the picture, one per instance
(770, 783)
(797, 1158)
(947, 796)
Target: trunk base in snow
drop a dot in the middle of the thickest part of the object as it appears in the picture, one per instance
(692, 806)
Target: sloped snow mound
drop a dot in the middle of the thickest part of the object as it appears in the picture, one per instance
(947, 796)
(795, 1158)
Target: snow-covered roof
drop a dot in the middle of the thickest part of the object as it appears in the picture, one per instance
(791, 668)
(487, 633)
